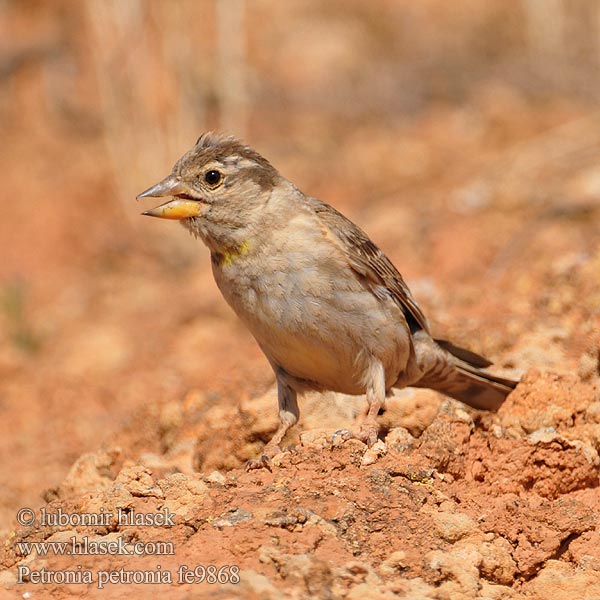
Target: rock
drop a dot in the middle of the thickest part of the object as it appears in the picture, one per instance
(413, 589)
(535, 529)
(371, 455)
(489, 591)
(307, 573)
(400, 439)
(497, 563)
(550, 465)
(454, 526)
(561, 581)
(216, 477)
(544, 400)
(317, 438)
(8, 578)
(138, 481)
(587, 367)
(410, 408)
(592, 412)
(456, 571)
(544, 435)
(365, 591)
(254, 585)
(91, 471)
(233, 517)
(393, 564)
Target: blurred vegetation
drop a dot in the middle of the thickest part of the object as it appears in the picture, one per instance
(13, 307)
(147, 73)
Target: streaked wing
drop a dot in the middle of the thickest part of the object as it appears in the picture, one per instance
(369, 261)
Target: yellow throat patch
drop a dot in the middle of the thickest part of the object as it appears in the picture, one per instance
(222, 259)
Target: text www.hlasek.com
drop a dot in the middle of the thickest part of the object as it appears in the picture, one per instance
(84, 546)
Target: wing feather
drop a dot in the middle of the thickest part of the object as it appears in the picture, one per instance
(366, 259)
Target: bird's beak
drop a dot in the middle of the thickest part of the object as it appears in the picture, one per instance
(178, 208)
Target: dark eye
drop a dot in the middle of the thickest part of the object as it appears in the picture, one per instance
(212, 177)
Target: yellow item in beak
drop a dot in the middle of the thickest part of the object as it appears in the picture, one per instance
(175, 209)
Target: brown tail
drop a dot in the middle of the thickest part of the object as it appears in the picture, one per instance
(461, 377)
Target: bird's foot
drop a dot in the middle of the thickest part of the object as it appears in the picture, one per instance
(262, 462)
(265, 460)
(366, 434)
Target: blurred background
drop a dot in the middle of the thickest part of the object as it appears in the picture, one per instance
(464, 137)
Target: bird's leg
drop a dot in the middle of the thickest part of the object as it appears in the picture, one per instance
(369, 427)
(375, 399)
(288, 413)
(288, 417)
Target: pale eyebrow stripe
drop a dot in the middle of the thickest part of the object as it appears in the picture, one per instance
(240, 161)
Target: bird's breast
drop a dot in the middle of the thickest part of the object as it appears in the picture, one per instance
(312, 316)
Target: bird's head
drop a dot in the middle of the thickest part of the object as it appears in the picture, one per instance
(219, 179)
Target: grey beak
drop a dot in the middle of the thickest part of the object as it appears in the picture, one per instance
(169, 186)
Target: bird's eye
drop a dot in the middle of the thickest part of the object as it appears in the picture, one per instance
(212, 177)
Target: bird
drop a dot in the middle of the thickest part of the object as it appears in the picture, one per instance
(326, 306)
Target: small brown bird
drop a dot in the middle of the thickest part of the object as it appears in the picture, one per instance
(326, 306)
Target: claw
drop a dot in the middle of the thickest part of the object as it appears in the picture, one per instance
(262, 462)
(367, 435)
(341, 436)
